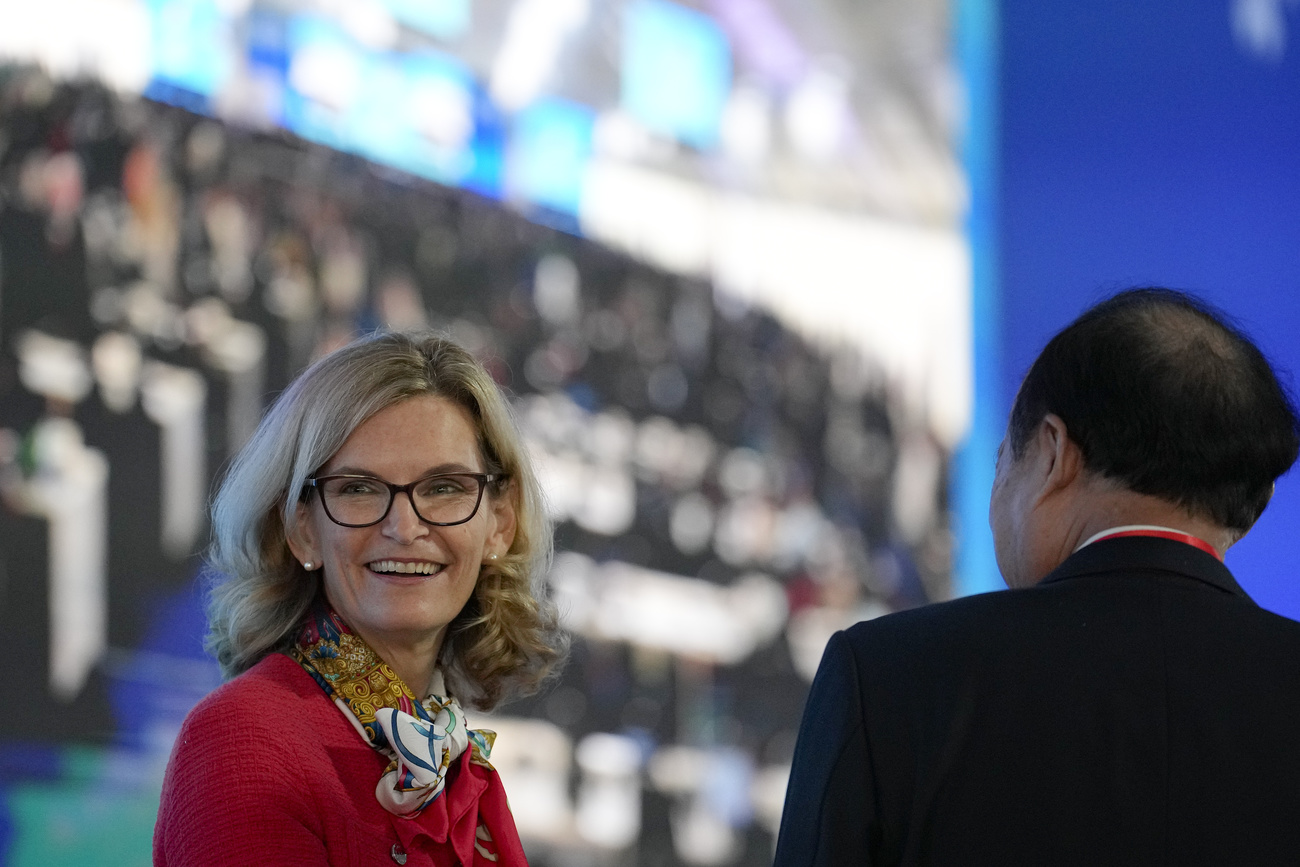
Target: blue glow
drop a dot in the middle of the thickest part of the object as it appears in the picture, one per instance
(550, 145)
(267, 64)
(975, 568)
(190, 45)
(676, 73)
(441, 159)
(432, 66)
(445, 19)
(303, 112)
(487, 169)
(267, 42)
(379, 126)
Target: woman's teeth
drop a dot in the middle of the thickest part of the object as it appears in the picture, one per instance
(404, 568)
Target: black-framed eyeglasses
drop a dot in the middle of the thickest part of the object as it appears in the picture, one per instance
(444, 499)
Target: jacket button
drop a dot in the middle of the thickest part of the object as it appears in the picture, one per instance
(399, 854)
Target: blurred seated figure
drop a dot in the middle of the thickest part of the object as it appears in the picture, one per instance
(379, 544)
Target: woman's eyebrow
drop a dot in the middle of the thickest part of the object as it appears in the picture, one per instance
(348, 471)
(440, 469)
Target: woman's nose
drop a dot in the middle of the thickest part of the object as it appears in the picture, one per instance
(402, 524)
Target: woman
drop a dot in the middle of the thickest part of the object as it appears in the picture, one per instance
(380, 543)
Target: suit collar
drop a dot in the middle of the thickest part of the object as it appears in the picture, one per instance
(1144, 553)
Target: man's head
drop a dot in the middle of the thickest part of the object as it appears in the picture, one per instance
(1150, 394)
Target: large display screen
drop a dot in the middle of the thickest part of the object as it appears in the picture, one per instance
(730, 303)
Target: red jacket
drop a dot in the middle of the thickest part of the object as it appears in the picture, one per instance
(267, 770)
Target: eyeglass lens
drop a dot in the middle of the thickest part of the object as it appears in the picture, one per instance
(444, 499)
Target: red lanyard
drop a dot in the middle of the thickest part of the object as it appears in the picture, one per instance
(1186, 538)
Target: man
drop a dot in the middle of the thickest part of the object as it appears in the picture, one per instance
(1125, 702)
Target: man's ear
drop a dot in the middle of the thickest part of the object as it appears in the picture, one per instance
(301, 536)
(1062, 458)
(1233, 535)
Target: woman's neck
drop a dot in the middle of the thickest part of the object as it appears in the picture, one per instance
(413, 661)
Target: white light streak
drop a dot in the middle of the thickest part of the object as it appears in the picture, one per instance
(534, 35)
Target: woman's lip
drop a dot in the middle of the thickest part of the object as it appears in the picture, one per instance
(404, 579)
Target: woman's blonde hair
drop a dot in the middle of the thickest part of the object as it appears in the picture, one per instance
(506, 639)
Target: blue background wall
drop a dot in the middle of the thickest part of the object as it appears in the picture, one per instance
(1141, 143)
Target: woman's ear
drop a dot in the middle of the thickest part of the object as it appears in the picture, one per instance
(504, 521)
(301, 536)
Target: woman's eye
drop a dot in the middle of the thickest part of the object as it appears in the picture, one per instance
(357, 487)
(443, 487)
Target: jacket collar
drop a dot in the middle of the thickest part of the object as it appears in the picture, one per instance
(1147, 554)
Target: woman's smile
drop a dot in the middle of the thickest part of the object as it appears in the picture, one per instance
(404, 567)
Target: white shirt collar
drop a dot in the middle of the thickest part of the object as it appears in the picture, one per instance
(1125, 529)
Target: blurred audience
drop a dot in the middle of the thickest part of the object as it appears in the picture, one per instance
(727, 495)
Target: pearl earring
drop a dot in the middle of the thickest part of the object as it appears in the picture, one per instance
(492, 556)
(308, 565)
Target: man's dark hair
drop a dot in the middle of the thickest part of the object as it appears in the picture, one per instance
(1164, 395)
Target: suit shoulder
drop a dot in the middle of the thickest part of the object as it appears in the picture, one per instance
(1278, 622)
(254, 700)
(938, 619)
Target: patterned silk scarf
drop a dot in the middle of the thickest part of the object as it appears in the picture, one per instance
(421, 738)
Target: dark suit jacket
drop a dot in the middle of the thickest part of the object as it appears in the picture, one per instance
(1136, 707)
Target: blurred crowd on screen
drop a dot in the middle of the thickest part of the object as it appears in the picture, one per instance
(726, 494)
